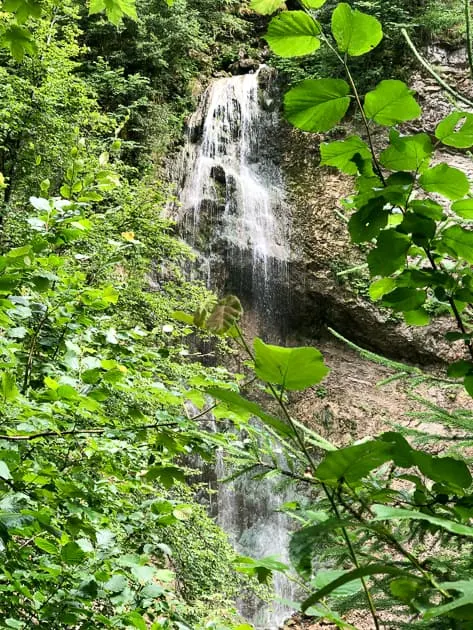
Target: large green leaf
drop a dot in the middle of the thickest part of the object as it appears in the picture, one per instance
(409, 153)
(405, 299)
(317, 104)
(386, 513)
(389, 254)
(456, 130)
(71, 553)
(459, 241)
(352, 463)
(350, 576)
(235, 401)
(293, 33)
(341, 154)
(446, 180)
(464, 208)
(293, 368)
(391, 103)
(356, 33)
(368, 221)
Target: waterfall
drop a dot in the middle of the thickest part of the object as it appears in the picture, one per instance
(231, 197)
(231, 210)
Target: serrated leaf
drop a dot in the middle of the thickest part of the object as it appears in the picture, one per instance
(380, 287)
(456, 130)
(368, 221)
(409, 153)
(71, 553)
(292, 368)
(292, 34)
(459, 241)
(389, 254)
(224, 315)
(317, 104)
(356, 33)
(419, 317)
(405, 299)
(353, 462)
(464, 208)
(115, 10)
(341, 153)
(391, 103)
(19, 41)
(446, 180)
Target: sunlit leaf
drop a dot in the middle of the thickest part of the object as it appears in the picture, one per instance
(317, 104)
(356, 33)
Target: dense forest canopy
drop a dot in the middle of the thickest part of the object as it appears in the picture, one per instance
(115, 382)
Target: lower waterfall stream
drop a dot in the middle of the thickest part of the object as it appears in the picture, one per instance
(232, 212)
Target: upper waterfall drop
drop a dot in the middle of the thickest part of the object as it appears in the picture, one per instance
(231, 191)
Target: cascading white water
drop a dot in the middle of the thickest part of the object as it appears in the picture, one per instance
(232, 211)
(231, 193)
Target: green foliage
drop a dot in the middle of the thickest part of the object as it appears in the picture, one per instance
(356, 33)
(317, 104)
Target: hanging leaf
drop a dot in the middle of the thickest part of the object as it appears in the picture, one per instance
(368, 221)
(23, 9)
(380, 287)
(224, 315)
(446, 180)
(292, 368)
(389, 254)
(456, 130)
(292, 34)
(353, 462)
(459, 241)
(341, 154)
(356, 33)
(317, 104)
(409, 153)
(405, 299)
(419, 317)
(266, 7)
(391, 103)
(71, 553)
(464, 208)
(19, 41)
(235, 401)
(350, 576)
